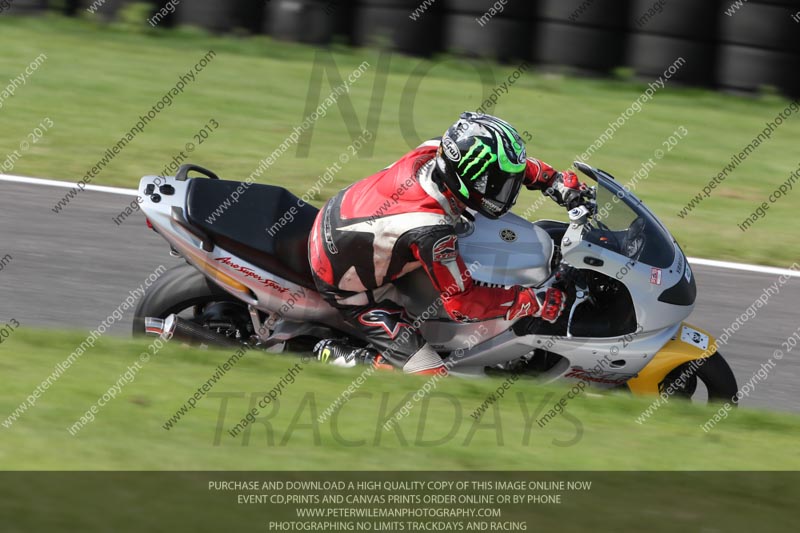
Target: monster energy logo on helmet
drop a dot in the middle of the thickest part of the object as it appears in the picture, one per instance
(510, 154)
(482, 161)
(477, 160)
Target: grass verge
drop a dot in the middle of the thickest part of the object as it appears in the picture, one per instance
(595, 433)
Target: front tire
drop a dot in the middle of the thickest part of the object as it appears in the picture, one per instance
(715, 374)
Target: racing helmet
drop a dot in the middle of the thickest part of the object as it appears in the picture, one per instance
(481, 160)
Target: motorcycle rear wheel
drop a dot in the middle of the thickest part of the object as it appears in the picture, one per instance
(183, 288)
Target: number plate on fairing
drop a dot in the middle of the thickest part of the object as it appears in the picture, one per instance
(694, 337)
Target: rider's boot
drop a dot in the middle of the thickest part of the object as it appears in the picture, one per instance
(339, 353)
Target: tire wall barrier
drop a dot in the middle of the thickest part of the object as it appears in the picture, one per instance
(470, 29)
(588, 35)
(390, 23)
(662, 31)
(760, 46)
(310, 21)
(109, 10)
(25, 7)
(737, 45)
(219, 16)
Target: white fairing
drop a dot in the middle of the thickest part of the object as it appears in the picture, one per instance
(651, 314)
(604, 362)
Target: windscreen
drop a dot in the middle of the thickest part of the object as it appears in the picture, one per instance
(624, 225)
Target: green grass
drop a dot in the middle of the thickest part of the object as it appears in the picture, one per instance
(128, 433)
(97, 81)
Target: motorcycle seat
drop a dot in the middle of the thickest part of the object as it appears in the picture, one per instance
(243, 227)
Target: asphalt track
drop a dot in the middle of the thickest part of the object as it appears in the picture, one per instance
(71, 270)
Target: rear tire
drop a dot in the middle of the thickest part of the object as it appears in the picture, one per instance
(715, 374)
(178, 289)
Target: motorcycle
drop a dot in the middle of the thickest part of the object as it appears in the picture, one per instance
(247, 281)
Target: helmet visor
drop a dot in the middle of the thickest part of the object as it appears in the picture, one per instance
(499, 198)
(504, 192)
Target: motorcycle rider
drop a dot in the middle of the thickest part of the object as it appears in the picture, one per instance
(404, 217)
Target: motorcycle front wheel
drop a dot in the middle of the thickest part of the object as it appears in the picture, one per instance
(715, 374)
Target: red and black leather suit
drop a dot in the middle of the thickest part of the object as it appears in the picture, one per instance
(392, 223)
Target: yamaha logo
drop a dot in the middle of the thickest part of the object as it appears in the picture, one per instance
(451, 149)
(508, 235)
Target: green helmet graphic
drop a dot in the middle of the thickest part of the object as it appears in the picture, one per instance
(482, 162)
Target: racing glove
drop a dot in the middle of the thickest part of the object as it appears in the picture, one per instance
(567, 190)
(563, 187)
(546, 305)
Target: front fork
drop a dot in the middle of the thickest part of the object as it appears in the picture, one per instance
(679, 350)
